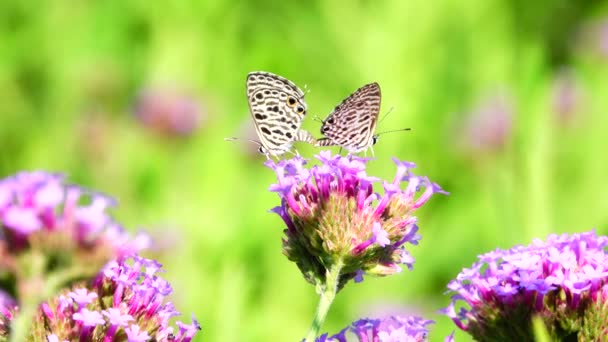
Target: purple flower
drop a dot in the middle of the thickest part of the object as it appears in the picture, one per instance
(129, 294)
(116, 317)
(134, 334)
(41, 203)
(187, 331)
(7, 312)
(563, 280)
(54, 338)
(169, 112)
(391, 329)
(567, 96)
(88, 318)
(333, 213)
(600, 35)
(82, 296)
(488, 126)
(23, 221)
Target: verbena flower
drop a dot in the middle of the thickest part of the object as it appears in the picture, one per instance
(488, 126)
(168, 111)
(391, 329)
(53, 234)
(38, 209)
(7, 311)
(126, 302)
(567, 97)
(334, 216)
(563, 280)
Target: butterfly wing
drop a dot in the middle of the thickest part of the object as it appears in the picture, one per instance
(352, 123)
(277, 107)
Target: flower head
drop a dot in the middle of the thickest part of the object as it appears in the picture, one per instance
(170, 112)
(7, 311)
(63, 229)
(391, 329)
(333, 214)
(130, 304)
(563, 280)
(39, 208)
(567, 97)
(488, 126)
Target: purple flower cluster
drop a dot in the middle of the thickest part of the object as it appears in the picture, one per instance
(564, 280)
(332, 213)
(125, 303)
(169, 111)
(394, 328)
(489, 125)
(7, 311)
(36, 203)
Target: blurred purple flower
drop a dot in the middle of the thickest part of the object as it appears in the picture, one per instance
(169, 111)
(564, 280)
(333, 214)
(63, 233)
(602, 38)
(488, 126)
(8, 305)
(592, 39)
(567, 96)
(394, 328)
(35, 203)
(131, 306)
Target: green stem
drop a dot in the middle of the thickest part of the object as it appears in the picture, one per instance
(327, 294)
(29, 294)
(38, 287)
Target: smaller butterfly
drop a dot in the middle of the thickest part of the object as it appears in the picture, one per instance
(353, 122)
(277, 108)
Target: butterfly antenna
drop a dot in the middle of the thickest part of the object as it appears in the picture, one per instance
(385, 115)
(317, 118)
(240, 139)
(392, 131)
(306, 90)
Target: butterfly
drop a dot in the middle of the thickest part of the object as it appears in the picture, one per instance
(277, 108)
(351, 125)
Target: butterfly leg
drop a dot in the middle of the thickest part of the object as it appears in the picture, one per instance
(295, 154)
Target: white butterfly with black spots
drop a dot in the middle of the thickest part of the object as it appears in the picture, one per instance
(277, 107)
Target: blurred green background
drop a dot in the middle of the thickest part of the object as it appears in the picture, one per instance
(506, 101)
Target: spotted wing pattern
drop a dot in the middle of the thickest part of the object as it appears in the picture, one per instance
(352, 123)
(277, 107)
